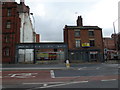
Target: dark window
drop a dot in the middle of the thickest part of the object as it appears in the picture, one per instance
(77, 33)
(91, 33)
(6, 52)
(9, 11)
(8, 24)
(55, 50)
(77, 43)
(3, 3)
(7, 38)
(94, 55)
(92, 42)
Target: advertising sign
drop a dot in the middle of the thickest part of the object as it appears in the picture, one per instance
(85, 44)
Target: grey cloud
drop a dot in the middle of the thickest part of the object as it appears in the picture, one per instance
(57, 15)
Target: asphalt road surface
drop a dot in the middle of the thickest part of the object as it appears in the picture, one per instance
(79, 76)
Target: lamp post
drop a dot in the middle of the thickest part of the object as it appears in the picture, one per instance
(115, 37)
(34, 59)
(33, 27)
(33, 19)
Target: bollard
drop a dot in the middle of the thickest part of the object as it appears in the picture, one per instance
(67, 64)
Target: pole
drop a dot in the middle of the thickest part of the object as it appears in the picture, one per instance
(115, 37)
(34, 61)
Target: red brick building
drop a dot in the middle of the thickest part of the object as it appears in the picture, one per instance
(85, 43)
(37, 38)
(14, 27)
(10, 31)
(110, 46)
(118, 45)
(109, 43)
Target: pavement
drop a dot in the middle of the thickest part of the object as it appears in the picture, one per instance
(53, 66)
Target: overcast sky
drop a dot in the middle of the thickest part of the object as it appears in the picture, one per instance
(52, 15)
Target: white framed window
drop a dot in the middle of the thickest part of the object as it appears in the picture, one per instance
(7, 38)
(8, 24)
(9, 12)
(91, 32)
(77, 43)
(77, 33)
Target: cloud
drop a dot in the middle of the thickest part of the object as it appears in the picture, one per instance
(52, 15)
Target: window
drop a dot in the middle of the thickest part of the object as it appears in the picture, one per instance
(77, 33)
(7, 38)
(91, 33)
(92, 42)
(3, 3)
(9, 12)
(8, 24)
(77, 42)
(94, 55)
(6, 52)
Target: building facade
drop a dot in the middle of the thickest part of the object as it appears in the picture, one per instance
(85, 43)
(27, 32)
(10, 31)
(16, 28)
(110, 47)
(118, 45)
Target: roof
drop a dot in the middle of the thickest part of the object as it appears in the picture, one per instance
(83, 27)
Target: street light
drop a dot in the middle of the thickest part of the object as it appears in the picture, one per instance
(115, 37)
(34, 37)
(114, 24)
(33, 20)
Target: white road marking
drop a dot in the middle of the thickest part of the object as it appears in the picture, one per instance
(63, 84)
(82, 68)
(44, 85)
(109, 80)
(13, 75)
(22, 75)
(52, 73)
(98, 68)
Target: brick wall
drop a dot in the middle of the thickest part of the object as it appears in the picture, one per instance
(13, 32)
(69, 38)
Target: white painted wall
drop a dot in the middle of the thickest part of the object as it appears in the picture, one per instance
(26, 36)
(26, 30)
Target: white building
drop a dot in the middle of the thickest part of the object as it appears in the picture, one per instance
(27, 34)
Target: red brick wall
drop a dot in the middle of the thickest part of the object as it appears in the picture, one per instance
(69, 38)
(37, 38)
(13, 32)
(109, 43)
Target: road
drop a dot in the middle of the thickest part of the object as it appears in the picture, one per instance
(78, 76)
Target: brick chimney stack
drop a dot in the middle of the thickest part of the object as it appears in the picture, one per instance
(22, 1)
(79, 21)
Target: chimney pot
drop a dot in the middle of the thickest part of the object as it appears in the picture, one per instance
(79, 21)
